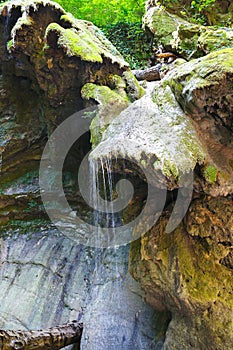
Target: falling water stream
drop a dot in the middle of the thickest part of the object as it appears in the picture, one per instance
(117, 318)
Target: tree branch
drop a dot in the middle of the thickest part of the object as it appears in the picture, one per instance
(149, 74)
(52, 339)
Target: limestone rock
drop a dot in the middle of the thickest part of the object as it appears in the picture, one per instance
(176, 34)
(203, 88)
(47, 56)
(187, 272)
(47, 279)
(154, 134)
(218, 12)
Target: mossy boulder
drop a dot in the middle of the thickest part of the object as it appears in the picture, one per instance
(154, 133)
(178, 35)
(56, 42)
(204, 89)
(218, 12)
(215, 39)
(110, 104)
(162, 25)
(47, 56)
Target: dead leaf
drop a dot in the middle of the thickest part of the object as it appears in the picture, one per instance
(50, 63)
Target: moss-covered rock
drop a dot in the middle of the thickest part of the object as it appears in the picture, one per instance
(56, 42)
(74, 43)
(162, 25)
(204, 89)
(218, 12)
(212, 39)
(177, 34)
(157, 135)
(110, 103)
(187, 273)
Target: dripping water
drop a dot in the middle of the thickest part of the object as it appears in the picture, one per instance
(104, 217)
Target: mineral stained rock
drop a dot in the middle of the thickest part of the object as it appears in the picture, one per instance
(185, 124)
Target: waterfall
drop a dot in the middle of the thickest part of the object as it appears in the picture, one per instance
(116, 316)
(107, 198)
(105, 219)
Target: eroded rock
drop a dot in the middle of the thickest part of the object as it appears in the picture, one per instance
(153, 133)
(189, 273)
(184, 124)
(203, 88)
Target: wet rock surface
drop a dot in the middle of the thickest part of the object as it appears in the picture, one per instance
(47, 279)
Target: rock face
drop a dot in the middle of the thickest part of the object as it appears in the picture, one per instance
(186, 271)
(47, 58)
(189, 273)
(217, 12)
(46, 280)
(178, 35)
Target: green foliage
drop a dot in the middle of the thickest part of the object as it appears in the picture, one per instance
(105, 12)
(211, 173)
(194, 10)
(120, 20)
(131, 41)
(200, 5)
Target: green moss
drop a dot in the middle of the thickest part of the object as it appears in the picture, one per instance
(164, 97)
(111, 104)
(170, 169)
(68, 18)
(215, 39)
(203, 278)
(117, 84)
(211, 173)
(192, 144)
(96, 132)
(76, 43)
(165, 25)
(96, 37)
(186, 40)
(133, 88)
(23, 227)
(10, 45)
(101, 94)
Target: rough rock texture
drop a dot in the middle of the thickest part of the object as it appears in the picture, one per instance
(154, 134)
(204, 90)
(47, 280)
(186, 125)
(189, 273)
(47, 57)
(182, 37)
(219, 12)
(55, 338)
(53, 65)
